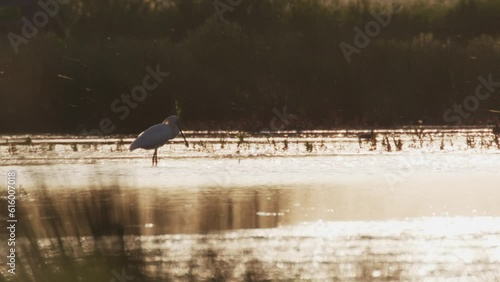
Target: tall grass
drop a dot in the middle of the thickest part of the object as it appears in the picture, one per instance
(92, 234)
(73, 237)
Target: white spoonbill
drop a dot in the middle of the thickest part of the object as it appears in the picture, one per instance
(157, 136)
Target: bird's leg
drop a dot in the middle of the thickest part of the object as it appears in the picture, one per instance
(154, 156)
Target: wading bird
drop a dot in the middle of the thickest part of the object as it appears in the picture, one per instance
(157, 136)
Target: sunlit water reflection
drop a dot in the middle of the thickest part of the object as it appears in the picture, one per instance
(232, 208)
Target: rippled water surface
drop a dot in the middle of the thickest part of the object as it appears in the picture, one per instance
(406, 205)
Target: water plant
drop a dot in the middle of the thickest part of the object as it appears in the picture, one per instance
(47, 147)
(322, 145)
(496, 140)
(471, 141)
(222, 142)
(397, 143)
(241, 138)
(201, 143)
(386, 144)
(285, 145)
(419, 132)
(12, 149)
(120, 145)
(485, 144)
(373, 143)
(309, 146)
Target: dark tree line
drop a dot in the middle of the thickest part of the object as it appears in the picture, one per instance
(264, 54)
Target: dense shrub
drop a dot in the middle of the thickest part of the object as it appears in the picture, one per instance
(266, 54)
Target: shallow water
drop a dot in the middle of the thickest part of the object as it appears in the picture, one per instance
(318, 206)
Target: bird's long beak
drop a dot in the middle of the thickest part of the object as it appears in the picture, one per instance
(186, 142)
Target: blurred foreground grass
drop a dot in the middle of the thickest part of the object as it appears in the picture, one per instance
(257, 233)
(95, 235)
(73, 237)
